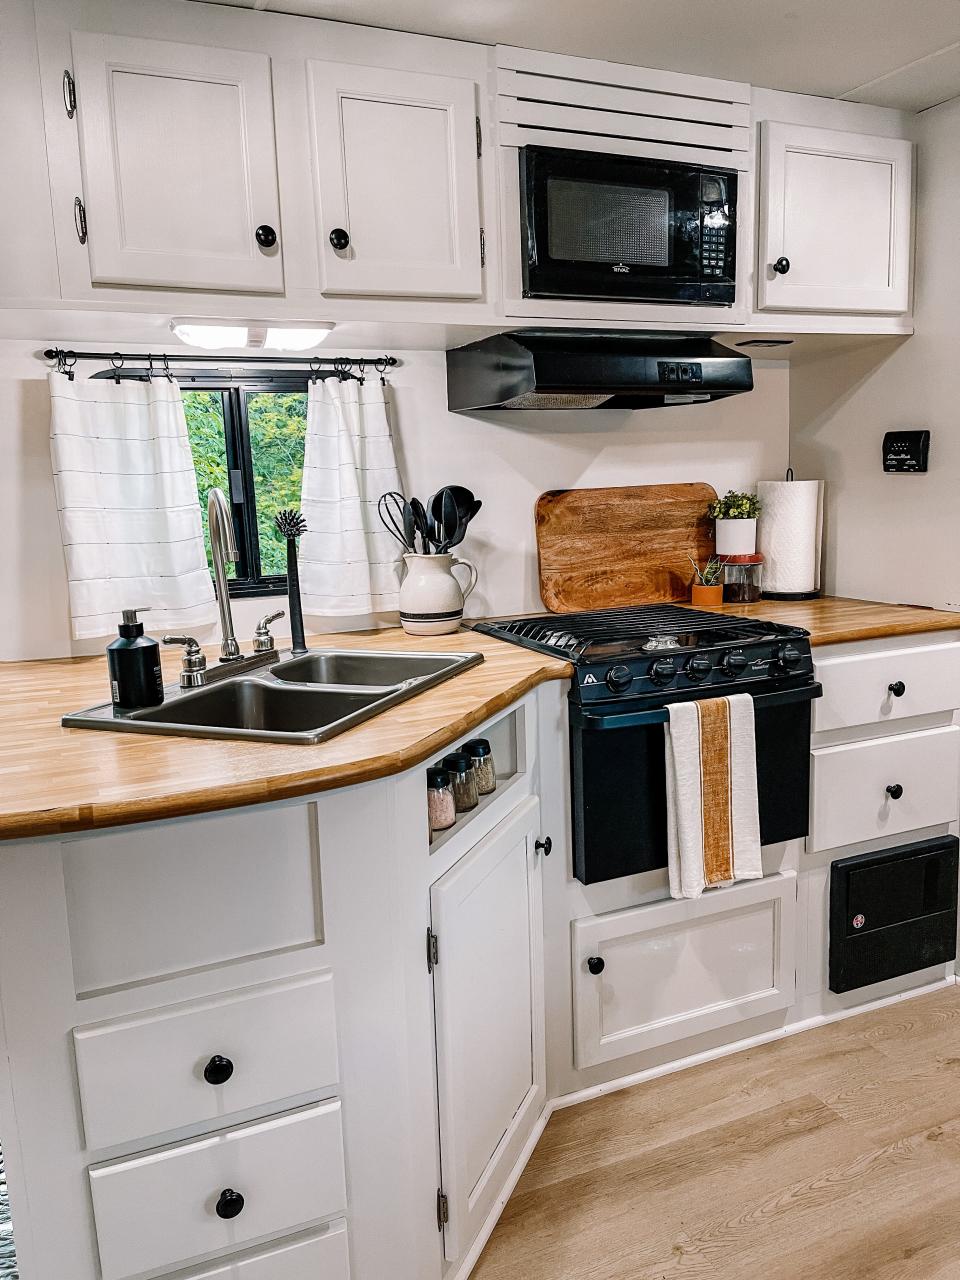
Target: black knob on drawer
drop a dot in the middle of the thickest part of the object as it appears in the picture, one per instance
(218, 1070)
(340, 239)
(229, 1204)
(596, 964)
(266, 236)
(895, 791)
(782, 266)
(898, 688)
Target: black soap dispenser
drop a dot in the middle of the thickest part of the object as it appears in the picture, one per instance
(136, 679)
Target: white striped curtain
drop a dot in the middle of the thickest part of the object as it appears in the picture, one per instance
(349, 564)
(128, 503)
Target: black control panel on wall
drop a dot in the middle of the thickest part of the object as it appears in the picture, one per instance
(906, 451)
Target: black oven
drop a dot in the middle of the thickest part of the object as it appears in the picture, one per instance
(618, 781)
(626, 229)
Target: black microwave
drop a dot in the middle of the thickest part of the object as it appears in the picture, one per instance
(626, 229)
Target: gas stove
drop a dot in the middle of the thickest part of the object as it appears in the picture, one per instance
(662, 650)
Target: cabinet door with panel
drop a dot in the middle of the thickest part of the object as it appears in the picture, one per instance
(395, 154)
(488, 987)
(835, 221)
(178, 162)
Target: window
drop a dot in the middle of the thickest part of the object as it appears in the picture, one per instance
(247, 439)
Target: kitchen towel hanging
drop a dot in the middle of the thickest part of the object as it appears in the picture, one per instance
(789, 536)
(129, 509)
(349, 564)
(713, 822)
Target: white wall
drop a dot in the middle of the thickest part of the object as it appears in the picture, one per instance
(891, 537)
(507, 459)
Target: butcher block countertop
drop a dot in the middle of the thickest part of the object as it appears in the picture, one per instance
(55, 780)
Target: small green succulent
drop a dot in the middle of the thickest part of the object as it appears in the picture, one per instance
(711, 575)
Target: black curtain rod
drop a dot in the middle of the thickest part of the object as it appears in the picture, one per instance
(68, 356)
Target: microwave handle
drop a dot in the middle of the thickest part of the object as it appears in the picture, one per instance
(636, 719)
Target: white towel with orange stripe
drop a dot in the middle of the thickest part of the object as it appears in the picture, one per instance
(713, 822)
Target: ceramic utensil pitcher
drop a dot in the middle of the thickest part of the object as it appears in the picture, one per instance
(431, 598)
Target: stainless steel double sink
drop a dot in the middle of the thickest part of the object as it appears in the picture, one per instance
(299, 699)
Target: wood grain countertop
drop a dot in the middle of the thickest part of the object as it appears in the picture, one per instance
(55, 780)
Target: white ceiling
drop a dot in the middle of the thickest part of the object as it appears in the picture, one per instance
(894, 53)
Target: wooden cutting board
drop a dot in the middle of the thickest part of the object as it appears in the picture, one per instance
(600, 548)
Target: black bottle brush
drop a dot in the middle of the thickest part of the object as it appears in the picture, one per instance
(290, 525)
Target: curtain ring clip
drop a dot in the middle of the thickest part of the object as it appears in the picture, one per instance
(314, 369)
(149, 368)
(166, 368)
(362, 365)
(381, 368)
(114, 359)
(69, 360)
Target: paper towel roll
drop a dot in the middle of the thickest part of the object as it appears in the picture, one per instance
(789, 533)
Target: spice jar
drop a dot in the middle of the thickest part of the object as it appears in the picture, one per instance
(741, 578)
(441, 806)
(484, 767)
(462, 779)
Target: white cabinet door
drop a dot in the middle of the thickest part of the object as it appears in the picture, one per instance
(835, 215)
(397, 181)
(179, 164)
(488, 985)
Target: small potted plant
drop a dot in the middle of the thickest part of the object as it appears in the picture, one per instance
(707, 588)
(736, 523)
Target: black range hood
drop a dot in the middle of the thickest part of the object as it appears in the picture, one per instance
(592, 369)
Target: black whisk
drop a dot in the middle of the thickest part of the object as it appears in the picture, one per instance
(291, 525)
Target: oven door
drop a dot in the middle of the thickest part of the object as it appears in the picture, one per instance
(624, 228)
(618, 781)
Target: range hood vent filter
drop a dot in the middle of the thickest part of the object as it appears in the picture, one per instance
(533, 369)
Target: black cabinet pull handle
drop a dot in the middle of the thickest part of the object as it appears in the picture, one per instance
(80, 219)
(782, 266)
(218, 1070)
(229, 1204)
(596, 964)
(898, 688)
(340, 239)
(544, 846)
(895, 791)
(266, 236)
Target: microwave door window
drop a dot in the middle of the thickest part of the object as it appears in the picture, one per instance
(610, 224)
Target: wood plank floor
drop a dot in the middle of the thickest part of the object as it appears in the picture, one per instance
(830, 1154)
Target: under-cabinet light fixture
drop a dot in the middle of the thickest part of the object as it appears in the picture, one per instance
(213, 334)
(210, 336)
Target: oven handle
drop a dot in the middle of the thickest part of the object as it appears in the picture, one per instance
(632, 719)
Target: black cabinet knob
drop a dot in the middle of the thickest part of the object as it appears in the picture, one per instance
(895, 791)
(544, 846)
(596, 964)
(339, 239)
(266, 236)
(898, 688)
(229, 1203)
(782, 266)
(218, 1070)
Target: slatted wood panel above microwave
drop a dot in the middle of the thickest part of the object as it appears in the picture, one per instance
(553, 100)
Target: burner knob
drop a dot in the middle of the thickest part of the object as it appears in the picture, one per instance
(789, 656)
(698, 667)
(619, 679)
(735, 663)
(663, 670)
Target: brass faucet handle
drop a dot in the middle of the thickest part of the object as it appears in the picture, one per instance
(193, 672)
(263, 641)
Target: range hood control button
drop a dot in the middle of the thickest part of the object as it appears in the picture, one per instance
(663, 670)
(619, 679)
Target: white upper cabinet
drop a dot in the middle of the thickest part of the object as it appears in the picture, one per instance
(835, 221)
(395, 156)
(178, 165)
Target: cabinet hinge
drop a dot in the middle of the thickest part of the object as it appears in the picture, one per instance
(69, 95)
(483, 248)
(479, 139)
(443, 1210)
(433, 951)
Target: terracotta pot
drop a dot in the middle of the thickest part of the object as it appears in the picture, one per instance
(706, 596)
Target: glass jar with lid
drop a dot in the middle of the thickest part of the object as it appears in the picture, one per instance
(484, 766)
(742, 578)
(441, 806)
(463, 780)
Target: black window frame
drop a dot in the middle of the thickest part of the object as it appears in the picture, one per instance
(241, 495)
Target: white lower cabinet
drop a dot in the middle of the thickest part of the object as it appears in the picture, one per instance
(884, 787)
(488, 985)
(320, 1257)
(894, 684)
(652, 975)
(174, 1206)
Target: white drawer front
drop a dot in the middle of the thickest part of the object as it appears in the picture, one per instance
(674, 969)
(158, 1210)
(322, 1257)
(144, 1075)
(856, 690)
(849, 800)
